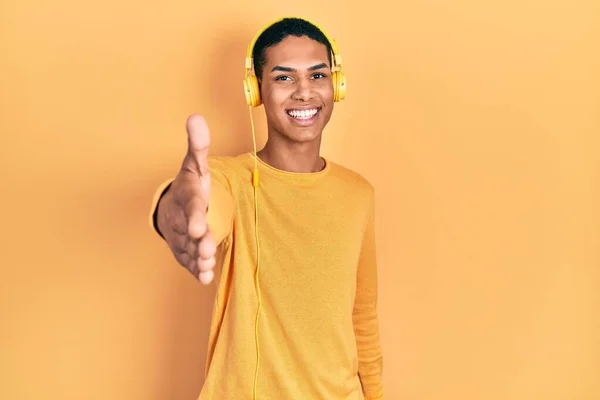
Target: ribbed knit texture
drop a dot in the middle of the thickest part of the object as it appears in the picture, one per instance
(318, 329)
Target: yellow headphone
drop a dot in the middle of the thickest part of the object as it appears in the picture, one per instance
(253, 99)
(251, 82)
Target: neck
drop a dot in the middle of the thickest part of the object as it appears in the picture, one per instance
(296, 157)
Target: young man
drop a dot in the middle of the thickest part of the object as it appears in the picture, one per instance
(295, 314)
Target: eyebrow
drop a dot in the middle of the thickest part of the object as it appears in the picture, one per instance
(288, 69)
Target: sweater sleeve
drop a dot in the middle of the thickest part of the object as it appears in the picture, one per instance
(220, 205)
(365, 318)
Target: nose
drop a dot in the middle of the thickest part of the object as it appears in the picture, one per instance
(303, 90)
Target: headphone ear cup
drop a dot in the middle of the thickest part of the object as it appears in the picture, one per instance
(339, 85)
(334, 80)
(252, 91)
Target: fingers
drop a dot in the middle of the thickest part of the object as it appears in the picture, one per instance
(198, 256)
(205, 259)
(206, 277)
(195, 212)
(206, 265)
(206, 247)
(200, 246)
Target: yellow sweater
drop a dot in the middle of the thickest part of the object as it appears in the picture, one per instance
(318, 330)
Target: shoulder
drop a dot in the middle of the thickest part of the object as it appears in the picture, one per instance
(228, 164)
(352, 180)
(228, 161)
(229, 170)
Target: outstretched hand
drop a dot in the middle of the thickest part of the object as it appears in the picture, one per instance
(182, 212)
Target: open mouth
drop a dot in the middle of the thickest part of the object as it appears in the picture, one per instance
(303, 115)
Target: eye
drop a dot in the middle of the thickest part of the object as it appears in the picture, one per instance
(319, 75)
(282, 78)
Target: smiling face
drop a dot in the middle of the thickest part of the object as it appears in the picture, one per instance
(297, 90)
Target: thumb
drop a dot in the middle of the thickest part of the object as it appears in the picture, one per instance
(198, 143)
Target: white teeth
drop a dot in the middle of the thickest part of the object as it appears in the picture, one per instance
(303, 114)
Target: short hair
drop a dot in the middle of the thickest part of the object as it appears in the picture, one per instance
(280, 30)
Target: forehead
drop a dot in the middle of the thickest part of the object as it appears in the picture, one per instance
(298, 52)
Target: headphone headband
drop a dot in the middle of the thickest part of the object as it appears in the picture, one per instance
(337, 58)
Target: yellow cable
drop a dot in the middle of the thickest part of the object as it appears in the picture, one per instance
(256, 280)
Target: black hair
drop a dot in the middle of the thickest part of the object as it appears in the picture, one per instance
(279, 31)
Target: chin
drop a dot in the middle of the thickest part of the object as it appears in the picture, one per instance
(304, 135)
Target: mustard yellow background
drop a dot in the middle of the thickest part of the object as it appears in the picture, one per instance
(476, 121)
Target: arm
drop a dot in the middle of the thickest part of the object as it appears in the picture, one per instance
(365, 318)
